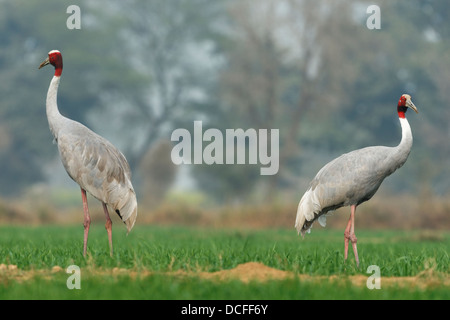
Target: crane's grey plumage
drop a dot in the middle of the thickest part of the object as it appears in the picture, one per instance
(90, 160)
(353, 178)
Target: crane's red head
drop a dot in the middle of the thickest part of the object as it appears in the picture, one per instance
(403, 104)
(55, 59)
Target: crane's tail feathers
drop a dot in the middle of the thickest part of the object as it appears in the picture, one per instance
(128, 210)
(130, 222)
(308, 211)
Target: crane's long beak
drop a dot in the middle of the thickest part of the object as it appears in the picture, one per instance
(411, 105)
(44, 63)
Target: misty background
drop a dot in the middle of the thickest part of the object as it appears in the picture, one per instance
(138, 70)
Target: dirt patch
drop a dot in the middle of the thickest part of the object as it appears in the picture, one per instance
(246, 272)
(11, 272)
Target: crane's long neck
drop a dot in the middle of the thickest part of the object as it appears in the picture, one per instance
(53, 116)
(403, 149)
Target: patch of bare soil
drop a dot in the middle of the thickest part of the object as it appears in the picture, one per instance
(11, 272)
(246, 272)
(250, 271)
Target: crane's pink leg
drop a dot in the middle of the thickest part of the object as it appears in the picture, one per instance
(87, 220)
(349, 235)
(108, 226)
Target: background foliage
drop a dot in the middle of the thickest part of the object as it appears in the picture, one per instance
(137, 70)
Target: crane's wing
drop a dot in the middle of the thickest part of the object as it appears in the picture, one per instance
(99, 168)
(350, 179)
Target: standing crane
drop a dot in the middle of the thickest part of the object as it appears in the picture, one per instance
(91, 161)
(352, 179)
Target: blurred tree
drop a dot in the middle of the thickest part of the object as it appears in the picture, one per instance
(169, 44)
(274, 73)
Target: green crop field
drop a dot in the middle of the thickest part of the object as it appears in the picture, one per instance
(191, 263)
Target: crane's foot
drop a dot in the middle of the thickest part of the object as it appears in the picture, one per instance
(350, 237)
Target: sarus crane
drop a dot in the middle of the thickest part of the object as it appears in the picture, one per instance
(352, 179)
(91, 161)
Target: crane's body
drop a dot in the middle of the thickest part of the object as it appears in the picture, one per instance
(352, 179)
(91, 161)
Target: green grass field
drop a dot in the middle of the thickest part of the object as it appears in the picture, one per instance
(168, 263)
